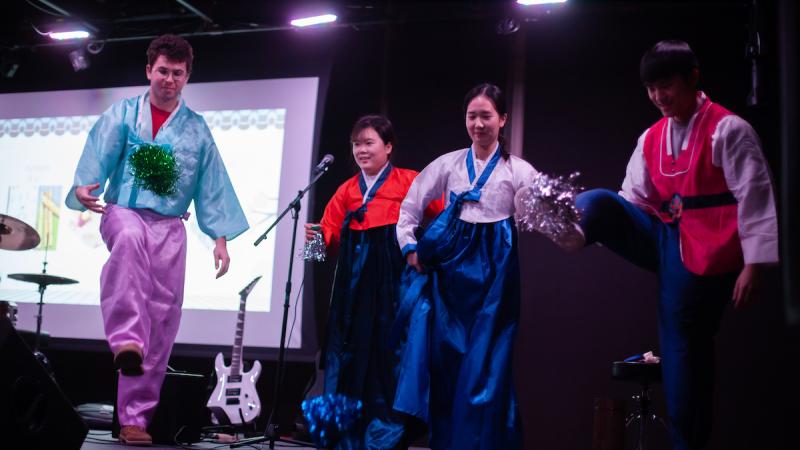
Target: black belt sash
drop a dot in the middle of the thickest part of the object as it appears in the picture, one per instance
(677, 203)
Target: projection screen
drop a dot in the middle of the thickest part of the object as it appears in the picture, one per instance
(265, 133)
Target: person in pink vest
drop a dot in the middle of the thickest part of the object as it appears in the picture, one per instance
(696, 207)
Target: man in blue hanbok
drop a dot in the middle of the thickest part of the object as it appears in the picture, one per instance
(141, 285)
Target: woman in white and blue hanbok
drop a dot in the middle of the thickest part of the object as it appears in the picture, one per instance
(461, 292)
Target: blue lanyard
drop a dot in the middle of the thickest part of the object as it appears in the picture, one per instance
(358, 214)
(474, 194)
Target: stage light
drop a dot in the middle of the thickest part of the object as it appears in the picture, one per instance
(9, 64)
(314, 20)
(66, 35)
(507, 26)
(539, 2)
(79, 60)
(95, 47)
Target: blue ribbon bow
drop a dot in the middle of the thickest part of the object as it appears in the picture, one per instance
(359, 213)
(413, 283)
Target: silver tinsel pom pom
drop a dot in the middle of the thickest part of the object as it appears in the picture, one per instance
(315, 249)
(547, 205)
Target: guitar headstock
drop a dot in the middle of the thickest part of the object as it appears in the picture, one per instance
(247, 289)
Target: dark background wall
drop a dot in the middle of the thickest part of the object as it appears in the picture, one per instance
(584, 110)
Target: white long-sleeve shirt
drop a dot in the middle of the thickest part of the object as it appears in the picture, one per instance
(448, 173)
(736, 148)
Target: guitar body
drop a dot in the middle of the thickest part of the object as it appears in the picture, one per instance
(235, 400)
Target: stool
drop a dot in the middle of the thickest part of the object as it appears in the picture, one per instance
(645, 374)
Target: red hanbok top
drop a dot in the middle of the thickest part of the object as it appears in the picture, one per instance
(382, 209)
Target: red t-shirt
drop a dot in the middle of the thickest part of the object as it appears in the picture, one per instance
(159, 117)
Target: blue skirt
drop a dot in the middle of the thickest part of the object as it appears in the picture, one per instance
(357, 361)
(458, 322)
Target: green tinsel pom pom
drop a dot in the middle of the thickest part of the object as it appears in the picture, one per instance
(154, 168)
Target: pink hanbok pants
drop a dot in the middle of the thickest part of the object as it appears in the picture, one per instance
(141, 292)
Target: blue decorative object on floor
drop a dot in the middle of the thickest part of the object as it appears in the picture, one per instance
(330, 417)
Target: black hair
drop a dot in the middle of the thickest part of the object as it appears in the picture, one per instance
(497, 98)
(378, 122)
(667, 58)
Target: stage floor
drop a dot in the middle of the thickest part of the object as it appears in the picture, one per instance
(102, 440)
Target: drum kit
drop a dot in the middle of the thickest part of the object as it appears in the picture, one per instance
(16, 235)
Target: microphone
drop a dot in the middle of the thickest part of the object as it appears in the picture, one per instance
(326, 161)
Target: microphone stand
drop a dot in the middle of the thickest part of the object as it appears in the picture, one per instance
(271, 433)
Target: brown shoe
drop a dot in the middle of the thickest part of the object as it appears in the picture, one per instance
(128, 360)
(133, 435)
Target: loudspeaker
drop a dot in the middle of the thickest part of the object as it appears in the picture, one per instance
(181, 410)
(34, 413)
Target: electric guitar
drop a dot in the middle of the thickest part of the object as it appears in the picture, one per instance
(235, 400)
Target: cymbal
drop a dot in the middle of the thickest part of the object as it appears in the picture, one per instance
(42, 279)
(16, 234)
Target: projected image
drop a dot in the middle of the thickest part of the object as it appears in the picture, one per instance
(251, 144)
(48, 211)
(266, 156)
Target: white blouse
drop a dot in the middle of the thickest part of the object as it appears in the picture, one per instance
(448, 173)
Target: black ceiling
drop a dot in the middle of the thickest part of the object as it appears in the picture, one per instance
(137, 19)
(132, 19)
(121, 20)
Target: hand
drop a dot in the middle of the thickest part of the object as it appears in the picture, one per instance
(747, 289)
(84, 195)
(413, 260)
(221, 256)
(312, 229)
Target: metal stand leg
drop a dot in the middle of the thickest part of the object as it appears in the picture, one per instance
(37, 341)
(643, 415)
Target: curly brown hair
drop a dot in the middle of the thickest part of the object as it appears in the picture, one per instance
(174, 48)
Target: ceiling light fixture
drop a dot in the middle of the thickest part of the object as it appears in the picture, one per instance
(313, 20)
(539, 2)
(66, 35)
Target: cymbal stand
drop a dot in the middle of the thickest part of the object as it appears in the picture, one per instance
(42, 286)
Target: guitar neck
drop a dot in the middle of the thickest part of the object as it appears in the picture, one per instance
(236, 356)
